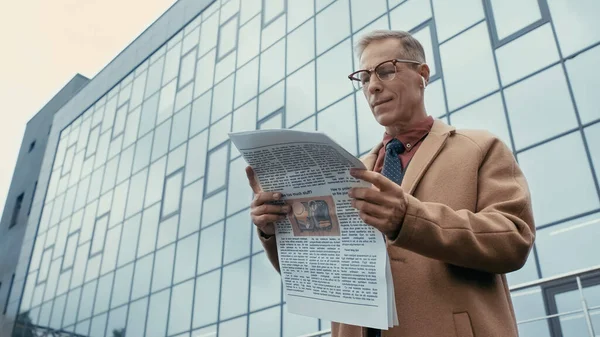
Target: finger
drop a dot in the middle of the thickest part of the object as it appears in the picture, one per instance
(371, 195)
(377, 211)
(372, 221)
(252, 180)
(265, 197)
(374, 178)
(266, 219)
(270, 209)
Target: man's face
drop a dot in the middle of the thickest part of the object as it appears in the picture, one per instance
(393, 102)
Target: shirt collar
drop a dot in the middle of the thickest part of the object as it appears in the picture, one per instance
(412, 135)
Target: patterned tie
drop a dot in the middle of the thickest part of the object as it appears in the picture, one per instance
(392, 166)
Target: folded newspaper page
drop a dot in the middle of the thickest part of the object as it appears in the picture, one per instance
(333, 265)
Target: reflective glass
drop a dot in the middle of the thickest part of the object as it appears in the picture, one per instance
(463, 84)
(300, 95)
(109, 116)
(191, 39)
(424, 36)
(364, 12)
(237, 237)
(111, 247)
(141, 279)
(530, 103)
(584, 76)
(206, 298)
(453, 17)
(118, 207)
(487, 114)
(333, 25)
(52, 280)
(166, 102)
(119, 126)
(272, 122)
(143, 149)
(529, 304)
(87, 300)
(205, 68)
(299, 11)
(94, 191)
(228, 9)
(124, 94)
(509, 21)
(172, 60)
(410, 14)
(525, 55)
(219, 131)
(213, 209)
(265, 284)
(300, 46)
(576, 23)
(82, 327)
(80, 263)
(187, 72)
(70, 247)
(102, 152)
(156, 178)
(554, 199)
(234, 295)
(98, 237)
(227, 37)
(116, 321)
(181, 124)
(103, 293)
(332, 70)
(211, 247)
(185, 258)
(136, 318)
(172, 194)
(242, 196)
(156, 325)
(196, 158)
(217, 169)
(93, 268)
(592, 135)
(576, 325)
(234, 327)
(183, 98)
(248, 9)
(125, 164)
(167, 231)
(98, 325)
(148, 230)
(435, 100)
(57, 312)
(249, 38)
(246, 82)
(110, 175)
(369, 131)
(271, 100)
(272, 65)
(208, 34)
(176, 159)
(339, 123)
(200, 113)
(137, 189)
(92, 142)
(272, 8)
(265, 323)
(223, 99)
(180, 311)
(273, 32)
(163, 268)
(296, 325)
(137, 94)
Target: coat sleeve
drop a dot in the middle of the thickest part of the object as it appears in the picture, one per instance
(270, 247)
(496, 238)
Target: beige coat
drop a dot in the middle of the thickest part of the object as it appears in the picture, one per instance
(469, 221)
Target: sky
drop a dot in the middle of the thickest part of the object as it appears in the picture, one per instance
(45, 43)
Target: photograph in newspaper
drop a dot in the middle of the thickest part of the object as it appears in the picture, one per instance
(314, 216)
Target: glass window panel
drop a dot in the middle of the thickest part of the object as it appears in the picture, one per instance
(300, 95)
(103, 293)
(584, 75)
(125, 93)
(193, 34)
(68, 162)
(217, 168)
(301, 47)
(453, 17)
(569, 246)
(116, 321)
(271, 100)
(167, 232)
(272, 9)
(487, 114)
(125, 164)
(148, 230)
(37, 296)
(44, 317)
(223, 99)
(87, 300)
(272, 122)
(364, 12)
(129, 240)
(176, 159)
(52, 280)
(249, 8)
(143, 149)
(213, 209)
(200, 113)
(163, 268)
(156, 178)
(576, 24)
(435, 101)
(181, 125)
(118, 207)
(44, 265)
(141, 279)
(61, 238)
(120, 118)
(424, 36)
(149, 111)
(131, 130)
(529, 304)
(93, 268)
(225, 67)
(333, 25)
(196, 157)
(239, 183)
(308, 125)
(185, 258)
(575, 325)
(205, 68)
(76, 221)
(70, 248)
(244, 118)
(109, 114)
(464, 85)
(136, 319)
(99, 234)
(228, 37)
(110, 175)
(298, 12)
(592, 135)
(167, 101)
(191, 208)
(71, 308)
(234, 292)
(115, 146)
(139, 84)
(272, 33)
(84, 132)
(172, 60)
(332, 70)
(237, 237)
(272, 65)
(531, 101)
(98, 325)
(249, 39)
(529, 53)
(339, 123)
(160, 146)
(209, 33)
(82, 328)
(265, 286)
(111, 247)
(554, 199)
(180, 313)
(265, 323)
(156, 325)
(94, 189)
(509, 21)
(28, 291)
(92, 142)
(120, 291)
(80, 263)
(211, 246)
(183, 98)
(296, 325)
(102, 151)
(369, 131)
(527, 273)
(172, 194)
(207, 298)
(57, 312)
(187, 72)
(234, 327)
(410, 14)
(246, 83)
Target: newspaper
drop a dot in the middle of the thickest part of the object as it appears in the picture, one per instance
(333, 265)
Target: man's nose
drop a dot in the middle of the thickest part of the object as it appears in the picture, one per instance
(375, 85)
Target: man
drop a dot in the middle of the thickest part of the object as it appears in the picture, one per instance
(453, 205)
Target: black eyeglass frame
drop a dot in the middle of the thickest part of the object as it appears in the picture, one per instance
(353, 77)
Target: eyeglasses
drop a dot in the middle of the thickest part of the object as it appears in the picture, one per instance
(385, 71)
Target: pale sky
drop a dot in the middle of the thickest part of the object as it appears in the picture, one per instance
(45, 43)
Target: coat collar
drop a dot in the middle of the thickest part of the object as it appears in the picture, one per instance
(428, 151)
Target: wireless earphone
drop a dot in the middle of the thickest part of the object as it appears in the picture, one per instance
(424, 83)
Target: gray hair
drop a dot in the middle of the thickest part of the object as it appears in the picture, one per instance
(412, 48)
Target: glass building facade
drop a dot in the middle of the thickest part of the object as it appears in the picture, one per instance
(144, 223)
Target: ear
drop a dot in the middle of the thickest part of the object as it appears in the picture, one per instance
(423, 70)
